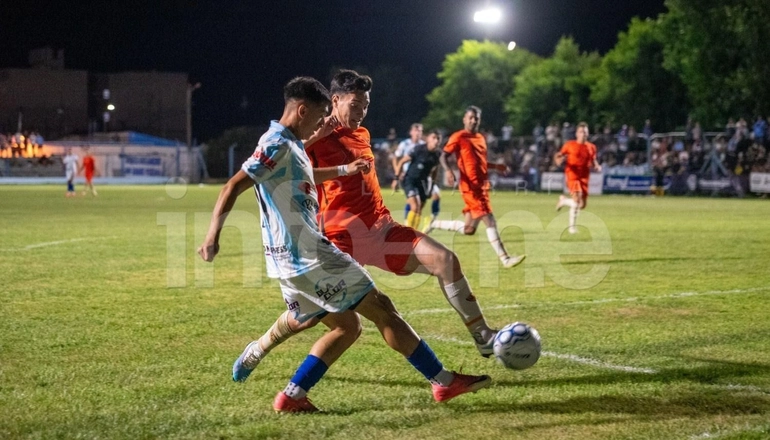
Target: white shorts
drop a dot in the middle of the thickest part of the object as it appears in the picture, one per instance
(337, 285)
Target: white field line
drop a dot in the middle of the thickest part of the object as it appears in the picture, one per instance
(568, 357)
(597, 301)
(748, 388)
(54, 243)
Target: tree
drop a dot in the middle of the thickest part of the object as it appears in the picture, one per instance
(719, 50)
(632, 84)
(481, 74)
(555, 89)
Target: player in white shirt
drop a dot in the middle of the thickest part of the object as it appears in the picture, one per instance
(318, 281)
(70, 162)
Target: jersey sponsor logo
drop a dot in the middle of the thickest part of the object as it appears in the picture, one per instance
(277, 251)
(326, 290)
(262, 157)
(291, 306)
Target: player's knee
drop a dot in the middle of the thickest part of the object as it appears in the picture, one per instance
(350, 331)
(469, 230)
(297, 326)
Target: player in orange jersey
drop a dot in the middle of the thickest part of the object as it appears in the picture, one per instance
(88, 168)
(581, 157)
(353, 216)
(470, 147)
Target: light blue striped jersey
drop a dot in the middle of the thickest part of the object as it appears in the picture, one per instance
(288, 203)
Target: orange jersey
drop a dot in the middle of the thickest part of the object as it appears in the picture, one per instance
(471, 152)
(580, 157)
(346, 201)
(88, 164)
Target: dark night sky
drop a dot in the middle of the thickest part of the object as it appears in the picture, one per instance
(251, 48)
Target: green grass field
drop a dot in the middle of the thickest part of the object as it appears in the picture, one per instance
(111, 327)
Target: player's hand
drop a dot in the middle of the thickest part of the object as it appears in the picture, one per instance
(359, 165)
(330, 123)
(208, 251)
(598, 168)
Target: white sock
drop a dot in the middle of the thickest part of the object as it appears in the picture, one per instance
(443, 378)
(497, 244)
(460, 297)
(449, 225)
(294, 391)
(573, 213)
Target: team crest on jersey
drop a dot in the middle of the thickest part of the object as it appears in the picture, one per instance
(326, 290)
(306, 187)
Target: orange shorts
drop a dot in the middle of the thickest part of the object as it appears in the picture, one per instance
(89, 177)
(387, 244)
(577, 183)
(477, 203)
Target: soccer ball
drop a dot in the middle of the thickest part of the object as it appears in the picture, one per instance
(517, 346)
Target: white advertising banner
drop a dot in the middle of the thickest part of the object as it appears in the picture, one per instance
(759, 182)
(555, 182)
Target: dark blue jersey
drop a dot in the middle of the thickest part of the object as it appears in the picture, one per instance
(422, 163)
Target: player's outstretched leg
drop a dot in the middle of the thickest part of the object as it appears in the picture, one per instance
(435, 258)
(397, 333)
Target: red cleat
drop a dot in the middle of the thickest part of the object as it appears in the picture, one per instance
(461, 384)
(285, 404)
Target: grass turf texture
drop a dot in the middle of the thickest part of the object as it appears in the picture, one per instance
(110, 327)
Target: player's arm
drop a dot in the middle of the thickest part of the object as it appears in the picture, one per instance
(499, 167)
(597, 166)
(234, 187)
(400, 165)
(327, 173)
(450, 175)
(559, 157)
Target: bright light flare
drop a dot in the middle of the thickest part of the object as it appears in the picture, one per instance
(110, 107)
(512, 45)
(489, 15)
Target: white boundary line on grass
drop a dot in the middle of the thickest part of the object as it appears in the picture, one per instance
(597, 301)
(568, 357)
(53, 243)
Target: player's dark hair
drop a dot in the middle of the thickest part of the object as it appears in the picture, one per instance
(349, 81)
(582, 124)
(474, 109)
(305, 88)
(437, 132)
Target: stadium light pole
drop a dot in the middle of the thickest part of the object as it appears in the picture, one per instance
(188, 108)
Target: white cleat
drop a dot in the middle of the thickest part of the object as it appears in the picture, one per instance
(513, 261)
(573, 230)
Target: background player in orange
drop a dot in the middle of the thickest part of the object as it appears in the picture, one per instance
(353, 216)
(581, 157)
(470, 148)
(88, 168)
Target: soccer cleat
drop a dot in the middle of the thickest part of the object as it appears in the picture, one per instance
(285, 404)
(485, 349)
(461, 384)
(247, 362)
(513, 261)
(428, 228)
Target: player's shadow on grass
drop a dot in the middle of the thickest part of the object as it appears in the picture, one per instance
(713, 400)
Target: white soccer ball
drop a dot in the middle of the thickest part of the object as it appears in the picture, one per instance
(517, 346)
